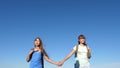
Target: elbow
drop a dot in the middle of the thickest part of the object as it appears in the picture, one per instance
(27, 60)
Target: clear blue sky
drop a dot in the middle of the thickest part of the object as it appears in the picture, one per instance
(59, 23)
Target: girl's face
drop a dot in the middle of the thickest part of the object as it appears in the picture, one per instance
(37, 42)
(82, 41)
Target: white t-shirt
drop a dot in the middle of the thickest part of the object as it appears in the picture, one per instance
(82, 55)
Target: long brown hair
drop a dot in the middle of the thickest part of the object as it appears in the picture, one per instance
(82, 37)
(41, 47)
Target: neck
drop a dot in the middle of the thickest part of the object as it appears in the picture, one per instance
(82, 44)
(37, 47)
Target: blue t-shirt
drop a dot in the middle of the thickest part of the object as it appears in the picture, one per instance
(37, 60)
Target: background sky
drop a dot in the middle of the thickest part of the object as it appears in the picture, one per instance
(58, 23)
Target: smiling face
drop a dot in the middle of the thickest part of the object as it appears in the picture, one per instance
(81, 39)
(37, 42)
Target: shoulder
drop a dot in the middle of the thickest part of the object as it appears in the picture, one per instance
(88, 47)
(31, 50)
(74, 48)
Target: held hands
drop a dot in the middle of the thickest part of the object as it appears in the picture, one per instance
(60, 63)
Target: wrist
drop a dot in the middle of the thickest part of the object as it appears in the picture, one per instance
(63, 61)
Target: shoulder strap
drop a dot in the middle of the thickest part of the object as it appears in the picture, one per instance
(76, 51)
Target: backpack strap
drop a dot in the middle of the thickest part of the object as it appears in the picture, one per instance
(76, 51)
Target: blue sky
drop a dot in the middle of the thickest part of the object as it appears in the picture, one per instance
(59, 23)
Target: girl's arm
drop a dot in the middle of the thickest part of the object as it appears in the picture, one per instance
(67, 57)
(29, 55)
(89, 53)
(49, 60)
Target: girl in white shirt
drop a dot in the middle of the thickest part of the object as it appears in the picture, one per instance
(83, 53)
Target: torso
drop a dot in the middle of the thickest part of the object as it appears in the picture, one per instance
(36, 60)
(82, 55)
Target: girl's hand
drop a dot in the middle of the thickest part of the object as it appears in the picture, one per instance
(56, 63)
(60, 63)
(88, 49)
(35, 49)
(31, 51)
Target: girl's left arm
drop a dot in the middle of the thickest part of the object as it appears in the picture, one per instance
(89, 53)
(49, 60)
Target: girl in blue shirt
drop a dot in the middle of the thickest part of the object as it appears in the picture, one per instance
(37, 55)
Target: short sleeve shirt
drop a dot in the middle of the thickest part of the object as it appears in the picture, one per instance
(82, 55)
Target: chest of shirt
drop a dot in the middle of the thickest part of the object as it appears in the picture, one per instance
(82, 49)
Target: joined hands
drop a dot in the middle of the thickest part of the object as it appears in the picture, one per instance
(59, 63)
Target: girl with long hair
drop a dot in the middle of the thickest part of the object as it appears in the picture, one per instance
(37, 55)
(83, 53)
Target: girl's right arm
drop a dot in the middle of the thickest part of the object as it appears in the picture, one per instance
(29, 55)
(67, 57)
